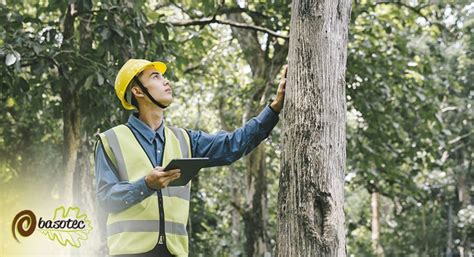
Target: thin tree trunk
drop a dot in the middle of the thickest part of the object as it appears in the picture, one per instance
(194, 225)
(234, 187)
(255, 212)
(71, 113)
(84, 198)
(464, 197)
(311, 196)
(78, 151)
(236, 238)
(71, 118)
(449, 248)
(376, 246)
(424, 229)
(197, 206)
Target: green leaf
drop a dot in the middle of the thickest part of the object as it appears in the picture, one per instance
(420, 95)
(10, 59)
(100, 79)
(88, 82)
(10, 101)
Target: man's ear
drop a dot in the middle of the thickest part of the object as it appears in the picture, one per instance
(137, 92)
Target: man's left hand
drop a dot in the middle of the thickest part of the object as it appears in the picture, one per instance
(277, 104)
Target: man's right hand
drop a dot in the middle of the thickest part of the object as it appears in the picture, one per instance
(158, 178)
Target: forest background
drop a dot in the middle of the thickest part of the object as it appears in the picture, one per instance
(409, 91)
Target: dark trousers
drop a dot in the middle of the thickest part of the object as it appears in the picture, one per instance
(160, 250)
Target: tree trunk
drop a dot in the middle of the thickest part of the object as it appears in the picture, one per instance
(264, 70)
(257, 242)
(255, 217)
(71, 118)
(464, 197)
(236, 227)
(449, 247)
(424, 249)
(84, 198)
(83, 185)
(234, 188)
(71, 113)
(79, 183)
(311, 196)
(376, 246)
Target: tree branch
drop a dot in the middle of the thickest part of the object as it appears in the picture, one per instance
(239, 208)
(209, 20)
(190, 69)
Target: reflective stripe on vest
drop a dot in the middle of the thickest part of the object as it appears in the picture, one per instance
(136, 229)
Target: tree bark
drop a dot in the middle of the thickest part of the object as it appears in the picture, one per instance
(376, 246)
(255, 216)
(311, 196)
(84, 195)
(235, 226)
(464, 197)
(71, 113)
(449, 247)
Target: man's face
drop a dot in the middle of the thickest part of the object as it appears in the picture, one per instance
(158, 86)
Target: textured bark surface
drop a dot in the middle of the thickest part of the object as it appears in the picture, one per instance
(71, 114)
(449, 243)
(376, 245)
(79, 184)
(311, 197)
(255, 216)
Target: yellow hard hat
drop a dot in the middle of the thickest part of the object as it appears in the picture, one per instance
(129, 70)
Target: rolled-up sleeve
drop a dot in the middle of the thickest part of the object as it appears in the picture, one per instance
(114, 195)
(224, 148)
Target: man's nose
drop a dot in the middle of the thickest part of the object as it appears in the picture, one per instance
(167, 83)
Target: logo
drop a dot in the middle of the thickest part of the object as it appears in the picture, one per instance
(66, 227)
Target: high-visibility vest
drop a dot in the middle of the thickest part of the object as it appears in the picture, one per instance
(136, 229)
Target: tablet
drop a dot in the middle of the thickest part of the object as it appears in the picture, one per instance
(189, 168)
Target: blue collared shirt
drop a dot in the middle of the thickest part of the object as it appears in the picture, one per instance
(222, 148)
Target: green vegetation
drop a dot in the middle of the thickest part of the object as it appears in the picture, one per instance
(409, 94)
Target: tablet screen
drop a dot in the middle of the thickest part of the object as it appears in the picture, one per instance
(189, 168)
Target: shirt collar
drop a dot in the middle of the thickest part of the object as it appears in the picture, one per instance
(142, 128)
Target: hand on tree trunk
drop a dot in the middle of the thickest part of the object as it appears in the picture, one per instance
(277, 104)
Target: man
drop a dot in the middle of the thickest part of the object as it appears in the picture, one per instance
(145, 216)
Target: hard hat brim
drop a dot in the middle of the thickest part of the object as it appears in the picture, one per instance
(159, 66)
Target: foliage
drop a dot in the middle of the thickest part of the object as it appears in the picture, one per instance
(409, 90)
(407, 67)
